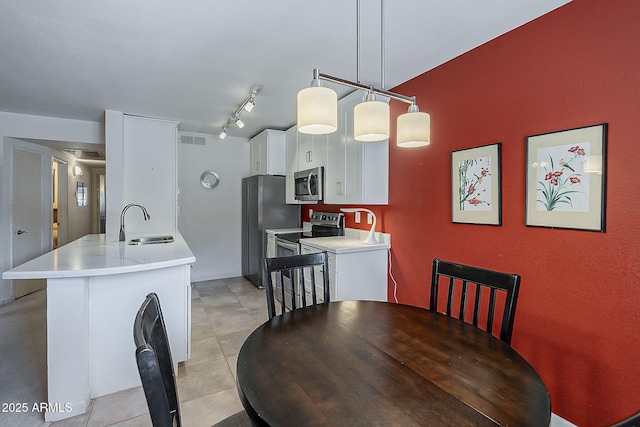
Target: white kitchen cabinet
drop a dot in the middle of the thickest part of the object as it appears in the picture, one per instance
(150, 175)
(293, 162)
(271, 245)
(353, 275)
(356, 172)
(312, 151)
(268, 153)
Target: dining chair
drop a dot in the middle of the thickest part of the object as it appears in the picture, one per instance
(155, 366)
(632, 421)
(293, 282)
(467, 289)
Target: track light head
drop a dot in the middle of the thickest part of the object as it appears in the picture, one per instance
(239, 122)
(223, 134)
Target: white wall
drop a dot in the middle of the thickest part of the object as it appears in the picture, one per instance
(14, 125)
(210, 220)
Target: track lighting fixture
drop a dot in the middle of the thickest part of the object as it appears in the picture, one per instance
(247, 105)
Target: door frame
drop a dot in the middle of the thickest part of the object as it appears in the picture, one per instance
(63, 194)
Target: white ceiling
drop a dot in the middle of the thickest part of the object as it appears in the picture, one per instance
(196, 61)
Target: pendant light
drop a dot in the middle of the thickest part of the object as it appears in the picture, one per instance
(371, 120)
(317, 108)
(414, 128)
(371, 117)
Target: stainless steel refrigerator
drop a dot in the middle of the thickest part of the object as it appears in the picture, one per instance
(263, 207)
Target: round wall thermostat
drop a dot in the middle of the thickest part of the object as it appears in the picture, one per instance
(209, 179)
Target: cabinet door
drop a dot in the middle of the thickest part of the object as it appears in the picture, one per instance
(356, 172)
(271, 245)
(292, 162)
(267, 153)
(312, 151)
(305, 150)
(256, 148)
(150, 172)
(333, 277)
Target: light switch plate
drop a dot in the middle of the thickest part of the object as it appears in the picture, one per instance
(357, 217)
(369, 218)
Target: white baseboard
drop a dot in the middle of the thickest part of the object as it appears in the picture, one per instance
(557, 421)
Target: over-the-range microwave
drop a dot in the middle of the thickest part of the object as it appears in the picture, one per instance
(308, 184)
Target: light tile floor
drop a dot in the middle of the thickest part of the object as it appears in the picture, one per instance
(224, 313)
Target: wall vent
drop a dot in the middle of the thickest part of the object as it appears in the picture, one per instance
(193, 139)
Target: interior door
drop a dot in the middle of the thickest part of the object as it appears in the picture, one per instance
(26, 208)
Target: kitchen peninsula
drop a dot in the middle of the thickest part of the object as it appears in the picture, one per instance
(95, 286)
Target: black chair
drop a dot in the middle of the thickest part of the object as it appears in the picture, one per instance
(632, 421)
(155, 367)
(296, 281)
(465, 290)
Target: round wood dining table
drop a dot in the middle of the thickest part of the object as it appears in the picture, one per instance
(366, 363)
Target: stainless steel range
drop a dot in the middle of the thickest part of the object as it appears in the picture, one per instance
(323, 224)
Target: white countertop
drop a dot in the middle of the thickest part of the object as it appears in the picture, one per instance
(99, 255)
(277, 231)
(351, 242)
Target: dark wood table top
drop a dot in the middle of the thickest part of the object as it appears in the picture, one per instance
(370, 363)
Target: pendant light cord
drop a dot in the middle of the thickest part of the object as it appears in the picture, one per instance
(358, 41)
(382, 59)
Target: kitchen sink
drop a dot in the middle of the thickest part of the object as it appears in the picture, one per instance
(150, 240)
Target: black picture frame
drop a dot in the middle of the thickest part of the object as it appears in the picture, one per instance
(566, 178)
(476, 190)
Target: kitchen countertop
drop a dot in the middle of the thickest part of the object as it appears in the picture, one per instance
(284, 230)
(350, 242)
(100, 254)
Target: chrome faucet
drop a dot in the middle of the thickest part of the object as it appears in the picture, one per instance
(144, 213)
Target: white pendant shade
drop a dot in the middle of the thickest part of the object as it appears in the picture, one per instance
(414, 129)
(371, 121)
(317, 110)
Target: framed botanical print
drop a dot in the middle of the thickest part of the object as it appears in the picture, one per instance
(476, 185)
(566, 173)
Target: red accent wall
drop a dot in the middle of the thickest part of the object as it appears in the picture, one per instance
(578, 315)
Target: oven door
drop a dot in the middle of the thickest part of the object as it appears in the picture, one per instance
(286, 248)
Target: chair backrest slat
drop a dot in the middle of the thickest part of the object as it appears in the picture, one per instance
(463, 299)
(450, 297)
(298, 275)
(495, 282)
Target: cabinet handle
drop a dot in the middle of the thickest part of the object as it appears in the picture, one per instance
(339, 188)
(310, 156)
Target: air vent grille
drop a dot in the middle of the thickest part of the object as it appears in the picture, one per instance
(85, 154)
(193, 139)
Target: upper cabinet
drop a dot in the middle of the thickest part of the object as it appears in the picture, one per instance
(268, 153)
(355, 172)
(149, 173)
(312, 150)
(303, 152)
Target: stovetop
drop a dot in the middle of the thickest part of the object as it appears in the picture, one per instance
(323, 224)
